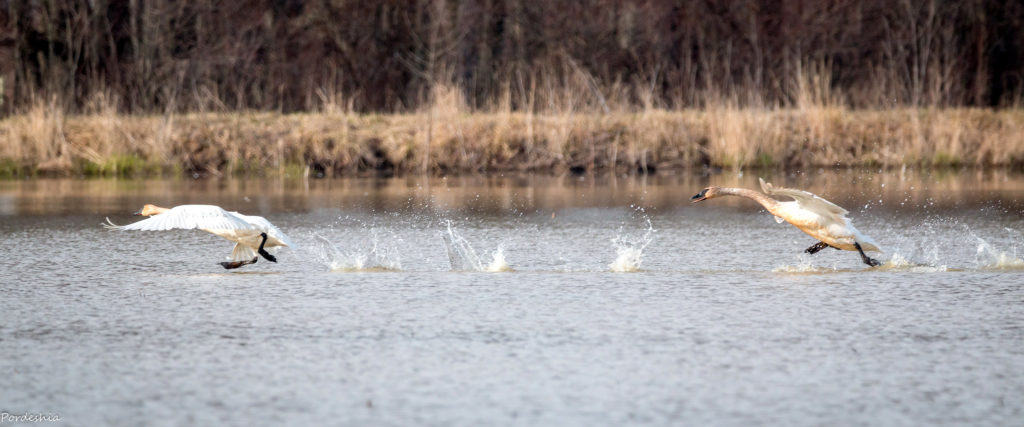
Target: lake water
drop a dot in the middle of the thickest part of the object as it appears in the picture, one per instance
(517, 300)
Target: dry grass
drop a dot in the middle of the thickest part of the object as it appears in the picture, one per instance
(448, 138)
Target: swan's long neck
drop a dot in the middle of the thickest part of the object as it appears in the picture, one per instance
(768, 202)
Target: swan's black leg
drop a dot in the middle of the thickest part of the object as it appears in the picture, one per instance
(867, 260)
(264, 253)
(235, 264)
(816, 247)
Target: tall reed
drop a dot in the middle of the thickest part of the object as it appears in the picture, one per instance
(451, 139)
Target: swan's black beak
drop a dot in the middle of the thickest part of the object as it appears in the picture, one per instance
(699, 197)
(138, 212)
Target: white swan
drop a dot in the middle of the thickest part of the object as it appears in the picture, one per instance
(816, 216)
(250, 233)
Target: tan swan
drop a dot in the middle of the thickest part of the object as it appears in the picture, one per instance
(814, 215)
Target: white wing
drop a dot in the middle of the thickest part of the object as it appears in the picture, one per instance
(206, 217)
(807, 201)
(242, 252)
(261, 223)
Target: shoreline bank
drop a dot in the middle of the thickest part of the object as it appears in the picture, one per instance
(45, 142)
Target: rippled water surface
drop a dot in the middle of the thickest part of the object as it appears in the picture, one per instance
(517, 300)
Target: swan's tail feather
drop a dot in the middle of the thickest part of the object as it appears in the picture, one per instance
(870, 246)
(765, 187)
(111, 226)
(242, 253)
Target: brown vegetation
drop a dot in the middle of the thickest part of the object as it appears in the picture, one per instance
(449, 139)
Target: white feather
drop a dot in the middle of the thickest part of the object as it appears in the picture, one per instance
(244, 230)
(819, 217)
(265, 226)
(242, 253)
(806, 200)
(189, 217)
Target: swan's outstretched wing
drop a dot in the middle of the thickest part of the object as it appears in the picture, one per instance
(807, 200)
(206, 217)
(242, 252)
(261, 223)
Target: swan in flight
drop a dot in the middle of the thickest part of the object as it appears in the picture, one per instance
(251, 234)
(814, 215)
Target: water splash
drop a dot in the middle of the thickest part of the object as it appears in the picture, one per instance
(923, 245)
(462, 256)
(378, 257)
(630, 250)
(498, 263)
(990, 258)
(898, 262)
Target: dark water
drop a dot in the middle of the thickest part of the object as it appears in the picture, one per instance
(386, 315)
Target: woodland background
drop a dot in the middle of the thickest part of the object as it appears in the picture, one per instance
(779, 72)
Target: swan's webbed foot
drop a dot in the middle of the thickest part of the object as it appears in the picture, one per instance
(816, 247)
(819, 246)
(268, 256)
(867, 260)
(229, 265)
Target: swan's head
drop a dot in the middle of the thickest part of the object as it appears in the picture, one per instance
(705, 194)
(148, 210)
